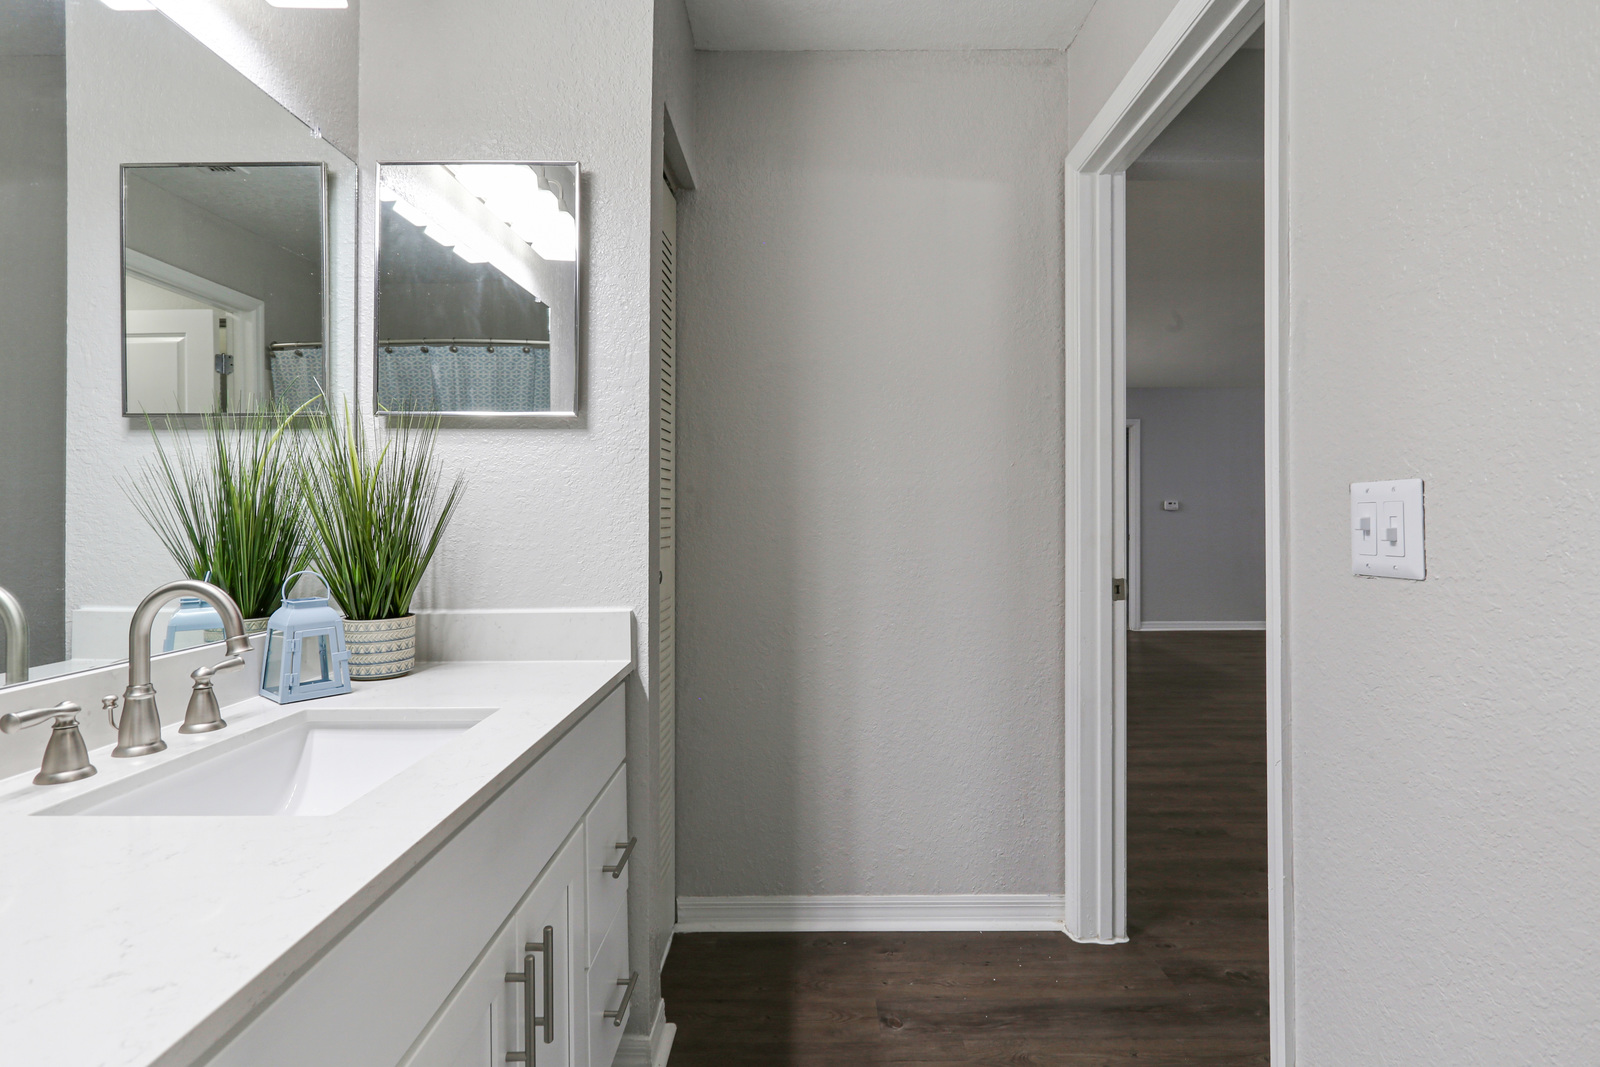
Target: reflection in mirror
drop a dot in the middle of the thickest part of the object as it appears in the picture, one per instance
(86, 91)
(223, 289)
(477, 301)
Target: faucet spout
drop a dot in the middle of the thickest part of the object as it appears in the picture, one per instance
(16, 624)
(139, 732)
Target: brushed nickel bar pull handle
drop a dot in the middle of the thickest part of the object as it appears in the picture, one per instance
(622, 1008)
(525, 977)
(549, 1019)
(615, 869)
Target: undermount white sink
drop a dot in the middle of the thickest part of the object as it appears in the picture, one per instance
(306, 763)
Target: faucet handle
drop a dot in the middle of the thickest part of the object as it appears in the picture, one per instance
(65, 714)
(66, 758)
(203, 715)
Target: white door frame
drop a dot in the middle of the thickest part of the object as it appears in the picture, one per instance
(1135, 501)
(1194, 41)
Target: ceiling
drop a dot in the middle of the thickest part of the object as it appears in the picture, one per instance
(862, 25)
(282, 204)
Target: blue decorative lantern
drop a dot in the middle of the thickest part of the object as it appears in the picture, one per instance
(305, 655)
(193, 617)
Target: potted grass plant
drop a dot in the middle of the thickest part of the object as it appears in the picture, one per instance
(376, 515)
(226, 505)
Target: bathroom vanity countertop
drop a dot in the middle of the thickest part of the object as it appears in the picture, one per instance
(144, 940)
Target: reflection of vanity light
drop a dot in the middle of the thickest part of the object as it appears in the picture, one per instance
(534, 214)
(129, 5)
(410, 212)
(417, 217)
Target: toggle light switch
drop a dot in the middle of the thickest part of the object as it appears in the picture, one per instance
(1386, 529)
(1366, 542)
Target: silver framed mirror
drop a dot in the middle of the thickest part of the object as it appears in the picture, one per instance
(224, 287)
(477, 289)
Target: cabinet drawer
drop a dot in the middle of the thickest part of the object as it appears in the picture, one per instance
(610, 981)
(606, 834)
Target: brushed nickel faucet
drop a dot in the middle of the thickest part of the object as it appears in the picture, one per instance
(16, 623)
(139, 732)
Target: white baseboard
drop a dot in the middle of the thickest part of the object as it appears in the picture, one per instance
(1202, 624)
(648, 1050)
(1042, 911)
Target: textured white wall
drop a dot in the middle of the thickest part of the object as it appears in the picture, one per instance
(1444, 272)
(1206, 561)
(553, 516)
(1111, 38)
(306, 59)
(141, 90)
(869, 577)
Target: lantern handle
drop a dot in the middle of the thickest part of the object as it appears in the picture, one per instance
(283, 592)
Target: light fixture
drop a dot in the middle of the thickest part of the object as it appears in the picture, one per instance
(317, 4)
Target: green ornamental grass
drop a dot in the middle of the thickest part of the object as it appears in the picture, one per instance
(375, 517)
(226, 503)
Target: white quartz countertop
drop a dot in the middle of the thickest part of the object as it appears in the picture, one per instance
(144, 940)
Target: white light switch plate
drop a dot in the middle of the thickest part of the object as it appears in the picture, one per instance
(1386, 529)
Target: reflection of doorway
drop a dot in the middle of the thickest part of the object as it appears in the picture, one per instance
(172, 357)
(170, 361)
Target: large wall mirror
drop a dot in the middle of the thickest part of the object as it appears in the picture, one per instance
(224, 286)
(477, 293)
(153, 199)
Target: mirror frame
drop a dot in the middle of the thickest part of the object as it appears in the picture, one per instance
(577, 296)
(325, 265)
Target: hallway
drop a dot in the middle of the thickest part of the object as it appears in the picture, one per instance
(1189, 989)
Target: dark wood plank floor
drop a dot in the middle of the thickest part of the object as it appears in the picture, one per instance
(1190, 987)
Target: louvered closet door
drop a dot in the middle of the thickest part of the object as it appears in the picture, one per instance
(666, 658)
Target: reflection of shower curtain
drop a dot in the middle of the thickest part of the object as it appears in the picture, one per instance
(464, 376)
(296, 374)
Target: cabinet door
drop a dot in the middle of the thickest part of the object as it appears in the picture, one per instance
(483, 1022)
(609, 845)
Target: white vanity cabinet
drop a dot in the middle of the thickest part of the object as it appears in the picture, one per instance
(423, 980)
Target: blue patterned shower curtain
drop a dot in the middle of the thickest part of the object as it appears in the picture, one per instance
(464, 376)
(296, 372)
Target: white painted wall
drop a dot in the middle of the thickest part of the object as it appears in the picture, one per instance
(871, 416)
(1196, 278)
(1207, 561)
(1444, 327)
(140, 90)
(1443, 316)
(33, 310)
(306, 59)
(1111, 38)
(553, 516)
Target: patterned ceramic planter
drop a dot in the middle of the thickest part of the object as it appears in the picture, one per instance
(381, 648)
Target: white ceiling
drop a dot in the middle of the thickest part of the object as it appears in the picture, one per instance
(856, 25)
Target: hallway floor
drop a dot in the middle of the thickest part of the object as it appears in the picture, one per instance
(1190, 987)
